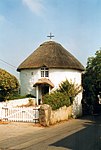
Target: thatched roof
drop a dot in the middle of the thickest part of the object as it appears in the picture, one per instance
(44, 81)
(52, 55)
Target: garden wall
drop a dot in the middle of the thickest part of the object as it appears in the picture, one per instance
(17, 102)
(47, 116)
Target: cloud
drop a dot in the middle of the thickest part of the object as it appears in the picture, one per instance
(36, 6)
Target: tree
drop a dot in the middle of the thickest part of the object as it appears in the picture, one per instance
(92, 79)
(8, 85)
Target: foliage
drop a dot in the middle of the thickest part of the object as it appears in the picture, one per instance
(70, 89)
(92, 79)
(30, 95)
(8, 85)
(63, 96)
(15, 95)
(56, 100)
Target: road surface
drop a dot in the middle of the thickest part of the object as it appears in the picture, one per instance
(76, 134)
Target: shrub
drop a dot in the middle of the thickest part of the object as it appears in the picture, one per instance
(30, 95)
(56, 100)
(70, 89)
(63, 96)
(17, 96)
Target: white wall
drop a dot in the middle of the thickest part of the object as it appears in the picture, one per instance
(56, 76)
(15, 103)
(59, 75)
(27, 80)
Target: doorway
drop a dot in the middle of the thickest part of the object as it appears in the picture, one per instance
(44, 89)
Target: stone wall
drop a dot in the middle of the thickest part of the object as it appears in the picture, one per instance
(47, 116)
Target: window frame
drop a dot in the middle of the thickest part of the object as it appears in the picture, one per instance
(44, 72)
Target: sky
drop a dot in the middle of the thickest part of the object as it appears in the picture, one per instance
(25, 24)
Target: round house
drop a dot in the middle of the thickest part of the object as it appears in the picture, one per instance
(46, 68)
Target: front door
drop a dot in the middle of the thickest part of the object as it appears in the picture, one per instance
(45, 89)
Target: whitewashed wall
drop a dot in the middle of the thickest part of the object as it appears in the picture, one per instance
(29, 77)
(14, 103)
(27, 80)
(59, 75)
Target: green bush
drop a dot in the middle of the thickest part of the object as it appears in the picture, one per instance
(56, 100)
(30, 95)
(71, 89)
(16, 96)
(63, 96)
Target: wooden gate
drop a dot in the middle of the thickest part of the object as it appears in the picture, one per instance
(23, 114)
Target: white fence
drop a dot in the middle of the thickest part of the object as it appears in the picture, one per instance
(23, 114)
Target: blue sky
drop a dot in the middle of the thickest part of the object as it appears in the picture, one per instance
(25, 24)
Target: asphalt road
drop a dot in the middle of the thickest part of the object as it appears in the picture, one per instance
(78, 134)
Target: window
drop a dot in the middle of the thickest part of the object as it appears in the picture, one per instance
(44, 72)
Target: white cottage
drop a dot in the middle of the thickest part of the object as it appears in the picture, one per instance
(46, 68)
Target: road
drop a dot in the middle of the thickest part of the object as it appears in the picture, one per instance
(76, 134)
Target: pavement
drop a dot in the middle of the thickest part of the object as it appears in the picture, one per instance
(14, 129)
(75, 134)
(29, 136)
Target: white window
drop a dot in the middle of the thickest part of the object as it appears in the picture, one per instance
(44, 72)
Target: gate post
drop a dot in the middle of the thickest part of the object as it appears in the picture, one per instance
(44, 115)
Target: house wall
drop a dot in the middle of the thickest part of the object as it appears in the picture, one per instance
(29, 77)
(58, 75)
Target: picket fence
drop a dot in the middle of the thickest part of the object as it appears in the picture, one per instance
(20, 114)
